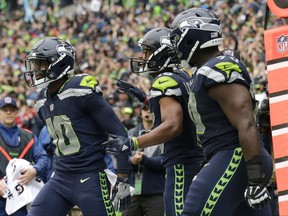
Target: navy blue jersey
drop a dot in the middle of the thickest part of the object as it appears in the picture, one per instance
(214, 130)
(79, 121)
(181, 149)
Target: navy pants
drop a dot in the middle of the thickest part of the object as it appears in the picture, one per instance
(218, 189)
(145, 205)
(178, 181)
(89, 191)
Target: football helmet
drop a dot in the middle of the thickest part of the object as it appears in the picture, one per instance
(157, 50)
(50, 59)
(195, 29)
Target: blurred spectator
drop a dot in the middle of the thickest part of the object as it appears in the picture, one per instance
(46, 142)
(16, 142)
(127, 117)
(29, 7)
(30, 119)
(147, 174)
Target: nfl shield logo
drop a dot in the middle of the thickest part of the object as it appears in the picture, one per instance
(51, 107)
(282, 43)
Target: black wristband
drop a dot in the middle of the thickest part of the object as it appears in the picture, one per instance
(255, 172)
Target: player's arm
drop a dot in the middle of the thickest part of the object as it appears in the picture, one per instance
(236, 102)
(171, 126)
(104, 116)
(99, 109)
(171, 117)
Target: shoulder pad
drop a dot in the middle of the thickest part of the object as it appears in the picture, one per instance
(223, 69)
(89, 81)
(228, 67)
(164, 82)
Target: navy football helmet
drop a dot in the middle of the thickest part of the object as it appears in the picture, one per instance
(50, 59)
(195, 29)
(158, 52)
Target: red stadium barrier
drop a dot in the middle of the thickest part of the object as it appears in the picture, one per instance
(276, 47)
(278, 7)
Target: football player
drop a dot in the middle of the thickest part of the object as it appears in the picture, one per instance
(222, 105)
(78, 120)
(168, 98)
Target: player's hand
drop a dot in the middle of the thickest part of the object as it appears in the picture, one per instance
(120, 195)
(256, 194)
(133, 91)
(120, 144)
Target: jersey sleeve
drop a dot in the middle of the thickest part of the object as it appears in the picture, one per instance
(105, 117)
(165, 86)
(224, 71)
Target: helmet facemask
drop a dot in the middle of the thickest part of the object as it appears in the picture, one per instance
(143, 64)
(154, 60)
(37, 70)
(49, 60)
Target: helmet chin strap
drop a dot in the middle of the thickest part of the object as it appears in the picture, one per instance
(185, 64)
(43, 85)
(46, 81)
(144, 74)
(192, 51)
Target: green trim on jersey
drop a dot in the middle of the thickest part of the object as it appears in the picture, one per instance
(89, 81)
(105, 194)
(179, 188)
(164, 82)
(222, 183)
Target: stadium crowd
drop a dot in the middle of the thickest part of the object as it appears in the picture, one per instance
(106, 33)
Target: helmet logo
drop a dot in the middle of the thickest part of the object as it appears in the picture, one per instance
(64, 48)
(192, 22)
(195, 23)
(140, 42)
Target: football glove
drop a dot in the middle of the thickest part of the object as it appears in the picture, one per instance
(120, 144)
(132, 91)
(120, 195)
(256, 194)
